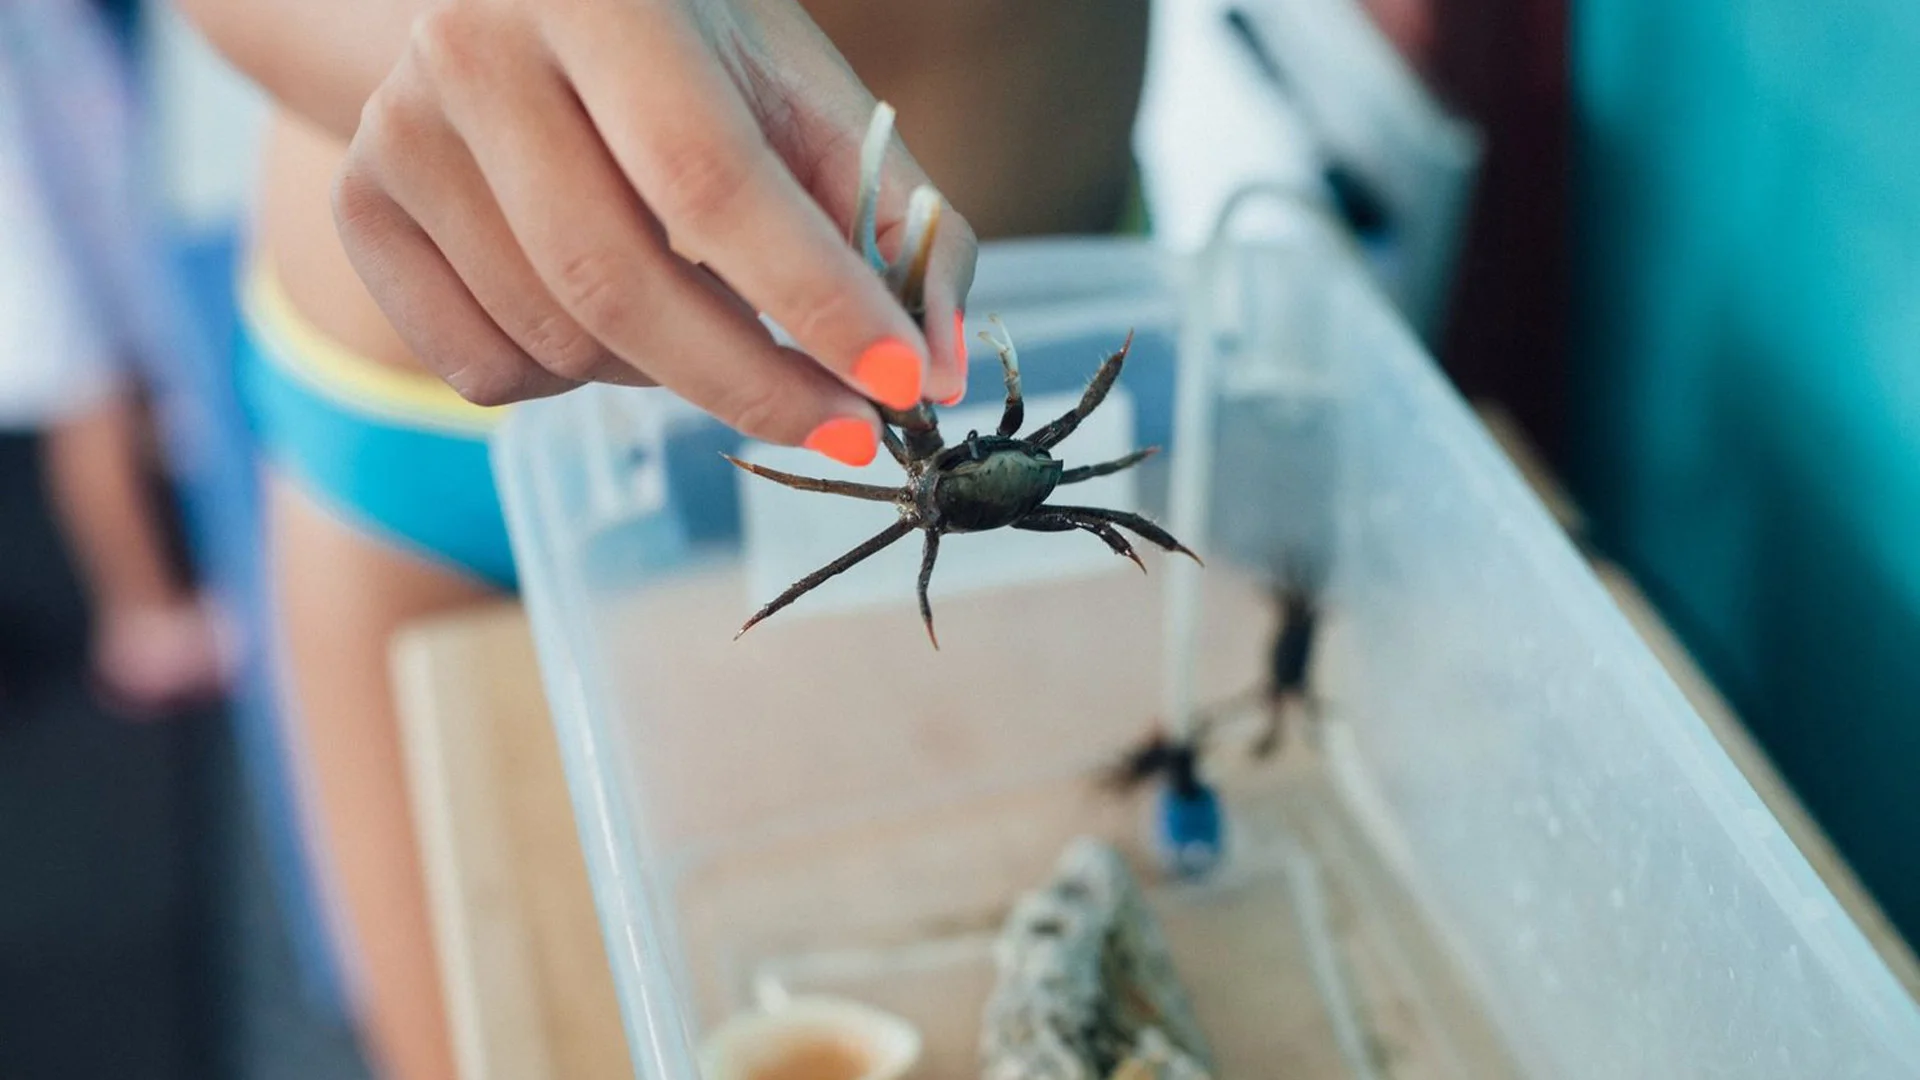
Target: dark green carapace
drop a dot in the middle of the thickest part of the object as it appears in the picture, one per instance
(990, 482)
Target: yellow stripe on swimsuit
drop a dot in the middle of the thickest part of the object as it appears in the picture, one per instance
(396, 454)
(406, 397)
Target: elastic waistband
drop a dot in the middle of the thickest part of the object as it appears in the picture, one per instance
(287, 340)
(396, 456)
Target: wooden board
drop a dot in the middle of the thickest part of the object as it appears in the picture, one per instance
(528, 989)
(1305, 959)
(529, 992)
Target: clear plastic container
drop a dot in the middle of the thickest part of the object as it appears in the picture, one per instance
(1514, 851)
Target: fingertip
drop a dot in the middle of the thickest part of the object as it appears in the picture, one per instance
(891, 372)
(848, 440)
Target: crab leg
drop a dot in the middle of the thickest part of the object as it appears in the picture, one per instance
(907, 277)
(873, 155)
(871, 492)
(892, 442)
(1050, 436)
(1002, 343)
(922, 431)
(1114, 540)
(1105, 468)
(1272, 730)
(1063, 523)
(840, 565)
(931, 551)
(1132, 522)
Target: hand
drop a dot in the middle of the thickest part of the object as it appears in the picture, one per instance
(544, 193)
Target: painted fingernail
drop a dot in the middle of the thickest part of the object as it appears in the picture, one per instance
(889, 372)
(845, 440)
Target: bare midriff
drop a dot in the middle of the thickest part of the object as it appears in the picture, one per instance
(1020, 110)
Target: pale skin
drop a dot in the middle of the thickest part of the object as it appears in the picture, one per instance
(584, 268)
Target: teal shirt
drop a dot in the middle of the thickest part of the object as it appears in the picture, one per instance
(1748, 373)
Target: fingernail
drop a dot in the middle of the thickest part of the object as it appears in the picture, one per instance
(845, 440)
(889, 372)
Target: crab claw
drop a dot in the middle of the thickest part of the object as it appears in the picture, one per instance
(1002, 343)
(908, 274)
(907, 277)
(873, 155)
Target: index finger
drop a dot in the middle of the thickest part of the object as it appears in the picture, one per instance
(679, 129)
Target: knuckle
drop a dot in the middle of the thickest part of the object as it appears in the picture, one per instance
(594, 285)
(390, 121)
(561, 345)
(700, 183)
(487, 393)
(360, 205)
(450, 41)
(757, 409)
(824, 312)
(488, 385)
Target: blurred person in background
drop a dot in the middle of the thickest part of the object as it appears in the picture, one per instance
(68, 335)
(466, 204)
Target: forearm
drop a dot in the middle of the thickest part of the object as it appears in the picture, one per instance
(319, 58)
(100, 496)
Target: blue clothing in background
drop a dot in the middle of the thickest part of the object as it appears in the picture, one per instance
(1748, 349)
(165, 302)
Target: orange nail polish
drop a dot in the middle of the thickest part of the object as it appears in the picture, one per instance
(845, 440)
(889, 371)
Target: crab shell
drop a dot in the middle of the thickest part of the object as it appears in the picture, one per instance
(988, 482)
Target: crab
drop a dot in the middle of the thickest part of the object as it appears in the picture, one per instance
(1284, 679)
(984, 482)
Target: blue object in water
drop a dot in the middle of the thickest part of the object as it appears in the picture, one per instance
(1191, 831)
